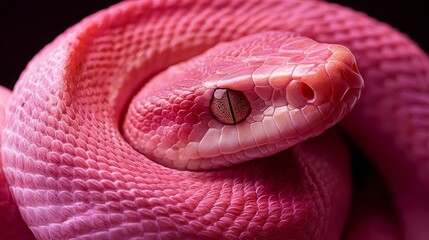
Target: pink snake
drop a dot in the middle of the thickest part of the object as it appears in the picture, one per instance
(72, 174)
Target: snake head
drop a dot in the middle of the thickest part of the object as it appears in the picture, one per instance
(242, 100)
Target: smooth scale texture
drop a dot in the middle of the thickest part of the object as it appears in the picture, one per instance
(73, 176)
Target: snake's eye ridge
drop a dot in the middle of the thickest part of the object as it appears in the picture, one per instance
(229, 106)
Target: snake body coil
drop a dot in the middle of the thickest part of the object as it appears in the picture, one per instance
(73, 175)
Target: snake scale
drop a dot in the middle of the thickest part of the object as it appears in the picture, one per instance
(140, 122)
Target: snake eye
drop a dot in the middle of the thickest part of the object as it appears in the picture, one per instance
(229, 106)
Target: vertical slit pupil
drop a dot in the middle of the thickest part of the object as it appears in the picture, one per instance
(229, 106)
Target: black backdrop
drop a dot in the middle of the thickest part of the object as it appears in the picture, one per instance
(26, 26)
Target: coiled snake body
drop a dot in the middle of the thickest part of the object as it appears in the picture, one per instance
(73, 138)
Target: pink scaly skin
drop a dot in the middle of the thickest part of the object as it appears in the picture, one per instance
(283, 77)
(12, 225)
(72, 173)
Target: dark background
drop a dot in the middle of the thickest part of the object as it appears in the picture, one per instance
(27, 26)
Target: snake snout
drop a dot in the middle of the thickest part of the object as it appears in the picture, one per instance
(334, 80)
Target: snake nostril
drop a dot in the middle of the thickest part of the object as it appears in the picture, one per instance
(229, 106)
(306, 91)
